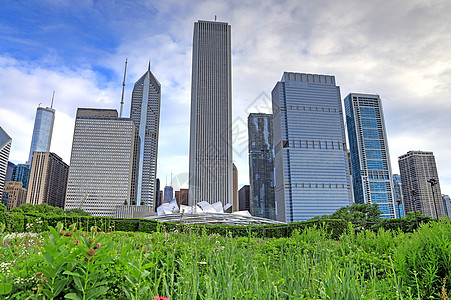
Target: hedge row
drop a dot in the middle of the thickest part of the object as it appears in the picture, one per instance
(39, 223)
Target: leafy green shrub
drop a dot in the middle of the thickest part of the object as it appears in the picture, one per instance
(424, 260)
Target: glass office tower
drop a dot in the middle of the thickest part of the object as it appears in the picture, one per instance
(145, 112)
(370, 159)
(311, 163)
(42, 131)
(261, 165)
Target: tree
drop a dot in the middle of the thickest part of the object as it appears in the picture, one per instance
(358, 213)
(76, 212)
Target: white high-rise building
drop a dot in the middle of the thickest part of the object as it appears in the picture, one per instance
(5, 147)
(42, 131)
(145, 111)
(102, 162)
(210, 159)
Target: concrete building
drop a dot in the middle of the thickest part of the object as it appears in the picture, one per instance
(261, 165)
(244, 197)
(370, 158)
(311, 164)
(418, 170)
(5, 147)
(102, 163)
(182, 197)
(210, 158)
(14, 195)
(42, 131)
(145, 112)
(48, 179)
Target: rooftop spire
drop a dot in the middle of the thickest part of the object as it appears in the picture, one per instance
(53, 97)
(123, 87)
(148, 68)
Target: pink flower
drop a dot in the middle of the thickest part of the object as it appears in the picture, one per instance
(97, 246)
(160, 298)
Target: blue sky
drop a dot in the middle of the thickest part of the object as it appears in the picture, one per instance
(398, 50)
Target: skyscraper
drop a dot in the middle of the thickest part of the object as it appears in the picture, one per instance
(235, 201)
(210, 158)
(48, 179)
(42, 131)
(417, 168)
(244, 197)
(370, 159)
(447, 205)
(21, 173)
(101, 164)
(261, 166)
(5, 147)
(397, 196)
(168, 193)
(145, 112)
(311, 164)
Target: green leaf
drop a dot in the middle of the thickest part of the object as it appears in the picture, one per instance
(72, 296)
(78, 283)
(96, 292)
(72, 273)
(5, 288)
(48, 258)
(60, 284)
(131, 279)
(48, 293)
(148, 265)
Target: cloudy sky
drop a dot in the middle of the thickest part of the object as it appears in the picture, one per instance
(397, 49)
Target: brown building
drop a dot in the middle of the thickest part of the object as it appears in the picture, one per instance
(14, 194)
(48, 179)
(182, 197)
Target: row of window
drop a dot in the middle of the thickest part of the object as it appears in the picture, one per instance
(310, 144)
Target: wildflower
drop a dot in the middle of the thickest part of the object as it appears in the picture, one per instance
(68, 233)
(76, 242)
(160, 298)
(97, 246)
(91, 240)
(91, 252)
(152, 239)
(144, 250)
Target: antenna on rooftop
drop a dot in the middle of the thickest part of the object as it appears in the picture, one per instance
(123, 87)
(215, 18)
(53, 97)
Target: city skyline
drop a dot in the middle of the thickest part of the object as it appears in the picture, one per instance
(296, 36)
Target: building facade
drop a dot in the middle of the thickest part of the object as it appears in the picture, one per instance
(48, 179)
(447, 205)
(311, 165)
(14, 195)
(417, 168)
(168, 193)
(42, 131)
(5, 147)
(235, 200)
(210, 158)
(182, 197)
(21, 173)
(370, 158)
(145, 112)
(397, 196)
(9, 171)
(102, 163)
(244, 196)
(261, 165)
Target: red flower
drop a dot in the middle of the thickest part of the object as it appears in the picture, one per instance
(91, 252)
(161, 298)
(68, 233)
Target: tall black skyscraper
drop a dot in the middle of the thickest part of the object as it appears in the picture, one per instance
(261, 165)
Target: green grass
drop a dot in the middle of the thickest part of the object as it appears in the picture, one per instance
(66, 263)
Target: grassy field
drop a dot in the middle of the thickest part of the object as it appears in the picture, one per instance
(65, 263)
